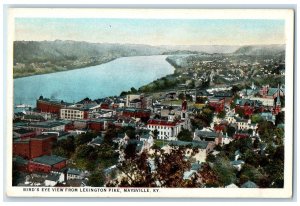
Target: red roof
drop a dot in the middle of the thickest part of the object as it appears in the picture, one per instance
(240, 136)
(162, 122)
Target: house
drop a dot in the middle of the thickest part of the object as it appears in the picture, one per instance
(166, 129)
(131, 97)
(266, 103)
(97, 141)
(244, 124)
(249, 184)
(47, 163)
(20, 164)
(248, 107)
(206, 135)
(73, 113)
(143, 114)
(171, 95)
(124, 121)
(34, 147)
(98, 125)
(268, 116)
(232, 185)
(23, 133)
(40, 127)
(223, 140)
(271, 92)
(217, 103)
(203, 147)
(53, 179)
(237, 164)
(195, 167)
(246, 93)
(50, 106)
(75, 174)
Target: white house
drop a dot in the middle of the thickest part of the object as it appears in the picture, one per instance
(166, 129)
(53, 179)
(75, 174)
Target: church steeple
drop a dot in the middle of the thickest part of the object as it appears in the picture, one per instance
(277, 106)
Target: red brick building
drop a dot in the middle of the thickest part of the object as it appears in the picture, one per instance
(34, 147)
(24, 133)
(248, 107)
(217, 103)
(136, 113)
(47, 163)
(49, 106)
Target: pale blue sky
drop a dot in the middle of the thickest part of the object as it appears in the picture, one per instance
(152, 31)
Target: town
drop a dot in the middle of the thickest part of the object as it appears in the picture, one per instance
(202, 127)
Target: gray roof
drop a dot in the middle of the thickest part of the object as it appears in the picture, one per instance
(206, 134)
(53, 177)
(195, 166)
(74, 171)
(47, 124)
(237, 162)
(97, 140)
(23, 131)
(49, 160)
(249, 184)
(195, 144)
(21, 161)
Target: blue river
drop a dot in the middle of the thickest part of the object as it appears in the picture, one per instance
(99, 81)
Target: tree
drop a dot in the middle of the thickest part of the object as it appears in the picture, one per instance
(251, 173)
(185, 135)
(86, 152)
(235, 89)
(256, 118)
(208, 176)
(64, 147)
(130, 132)
(279, 118)
(210, 158)
(84, 138)
(110, 134)
(133, 90)
(130, 151)
(168, 170)
(230, 131)
(96, 179)
(224, 171)
(221, 114)
(155, 133)
(266, 131)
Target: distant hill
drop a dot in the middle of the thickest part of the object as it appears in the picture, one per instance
(40, 57)
(32, 57)
(225, 49)
(33, 51)
(261, 50)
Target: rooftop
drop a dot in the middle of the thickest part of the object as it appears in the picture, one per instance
(53, 177)
(249, 184)
(48, 124)
(44, 136)
(22, 131)
(49, 160)
(195, 144)
(161, 122)
(74, 171)
(20, 160)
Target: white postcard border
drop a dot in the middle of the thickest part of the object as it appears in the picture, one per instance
(285, 14)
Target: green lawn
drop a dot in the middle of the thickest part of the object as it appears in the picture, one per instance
(160, 142)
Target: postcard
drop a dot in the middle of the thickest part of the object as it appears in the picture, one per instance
(188, 103)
